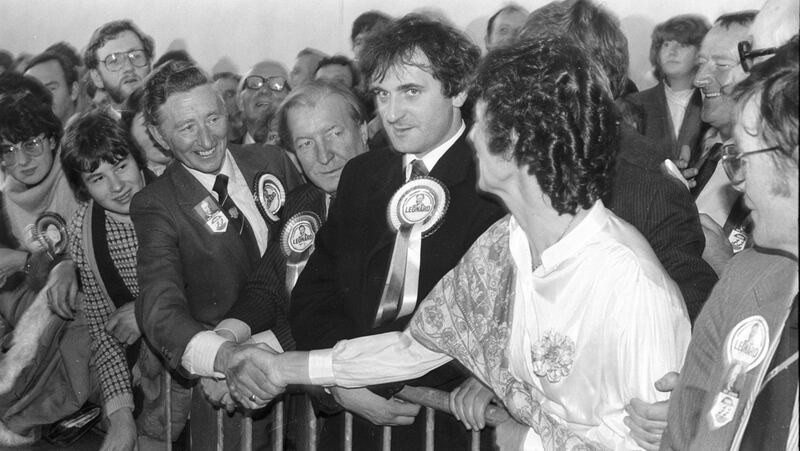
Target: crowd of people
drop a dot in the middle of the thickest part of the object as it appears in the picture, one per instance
(524, 228)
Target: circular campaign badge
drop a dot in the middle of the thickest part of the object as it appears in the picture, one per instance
(269, 194)
(50, 230)
(748, 342)
(299, 232)
(422, 201)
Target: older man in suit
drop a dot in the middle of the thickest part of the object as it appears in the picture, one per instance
(199, 227)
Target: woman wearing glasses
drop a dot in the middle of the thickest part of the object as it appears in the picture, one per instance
(35, 190)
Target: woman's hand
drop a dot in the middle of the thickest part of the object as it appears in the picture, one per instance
(468, 403)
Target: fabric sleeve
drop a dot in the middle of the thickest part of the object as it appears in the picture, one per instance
(376, 359)
(648, 338)
(162, 309)
(112, 368)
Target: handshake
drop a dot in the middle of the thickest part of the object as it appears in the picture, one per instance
(251, 377)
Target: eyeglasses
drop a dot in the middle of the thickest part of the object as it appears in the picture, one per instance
(256, 82)
(115, 61)
(32, 147)
(747, 55)
(734, 165)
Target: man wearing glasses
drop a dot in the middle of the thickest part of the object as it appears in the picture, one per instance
(118, 58)
(261, 91)
(738, 387)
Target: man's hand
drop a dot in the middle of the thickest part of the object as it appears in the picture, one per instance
(468, 403)
(122, 324)
(121, 434)
(647, 422)
(689, 173)
(216, 392)
(510, 435)
(62, 291)
(248, 370)
(379, 411)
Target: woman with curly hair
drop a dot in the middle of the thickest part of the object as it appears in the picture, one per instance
(561, 308)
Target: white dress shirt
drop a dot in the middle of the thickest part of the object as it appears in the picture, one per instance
(431, 158)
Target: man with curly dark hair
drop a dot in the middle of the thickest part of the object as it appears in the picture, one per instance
(418, 70)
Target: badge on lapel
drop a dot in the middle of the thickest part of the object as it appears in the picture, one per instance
(270, 195)
(211, 215)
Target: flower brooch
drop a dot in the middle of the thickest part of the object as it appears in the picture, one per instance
(553, 356)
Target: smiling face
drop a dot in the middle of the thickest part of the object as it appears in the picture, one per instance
(325, 137)
(718, 72)
(259, 104)
(112, 186)
(415, 113)
(193, 126)
(51, 75)
(119, 85)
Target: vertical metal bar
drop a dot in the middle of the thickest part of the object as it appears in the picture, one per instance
(311, 422)
(429, 425)
(220, 433)
(168, 408)
(476, 440)
(247, 434)
(387, 438)
(348, 431)
(278, 426)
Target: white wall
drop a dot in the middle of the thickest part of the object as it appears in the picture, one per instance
(242, 32)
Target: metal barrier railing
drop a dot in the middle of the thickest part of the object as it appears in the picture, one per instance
(430, 398)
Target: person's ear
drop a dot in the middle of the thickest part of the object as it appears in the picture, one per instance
(155, 133)
(96, 78)
(459, 99)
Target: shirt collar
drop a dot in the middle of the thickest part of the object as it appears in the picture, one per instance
(207, 180)
(564, 249)
(431, 158)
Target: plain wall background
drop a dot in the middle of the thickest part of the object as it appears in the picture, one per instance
(235, 34)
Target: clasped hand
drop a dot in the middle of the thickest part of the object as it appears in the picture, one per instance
(250, 373)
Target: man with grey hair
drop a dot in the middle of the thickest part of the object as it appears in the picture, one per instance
(200, 229)
(261, 91)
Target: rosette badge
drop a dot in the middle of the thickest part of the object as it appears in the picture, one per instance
(297, 244)
(49, 233)
(422, 203)
(270, 195)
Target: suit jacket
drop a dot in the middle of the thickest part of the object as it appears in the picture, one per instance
(264, 303)
(663, 210)
(190, 276)
(753, 283)
(658, 124)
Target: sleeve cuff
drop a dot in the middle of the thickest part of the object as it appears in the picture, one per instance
(123, 400)
(239, 329)
(320, 367)
(268, 337)
(198, 357)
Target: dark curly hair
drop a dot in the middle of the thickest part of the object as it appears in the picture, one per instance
(554, 99)
(93, 138)
(452, 56)
(171, 78)
(26, 110)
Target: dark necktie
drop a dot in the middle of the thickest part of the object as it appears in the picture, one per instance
(236, 218)
(418, 170)
(706, 170)
(768, 427)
